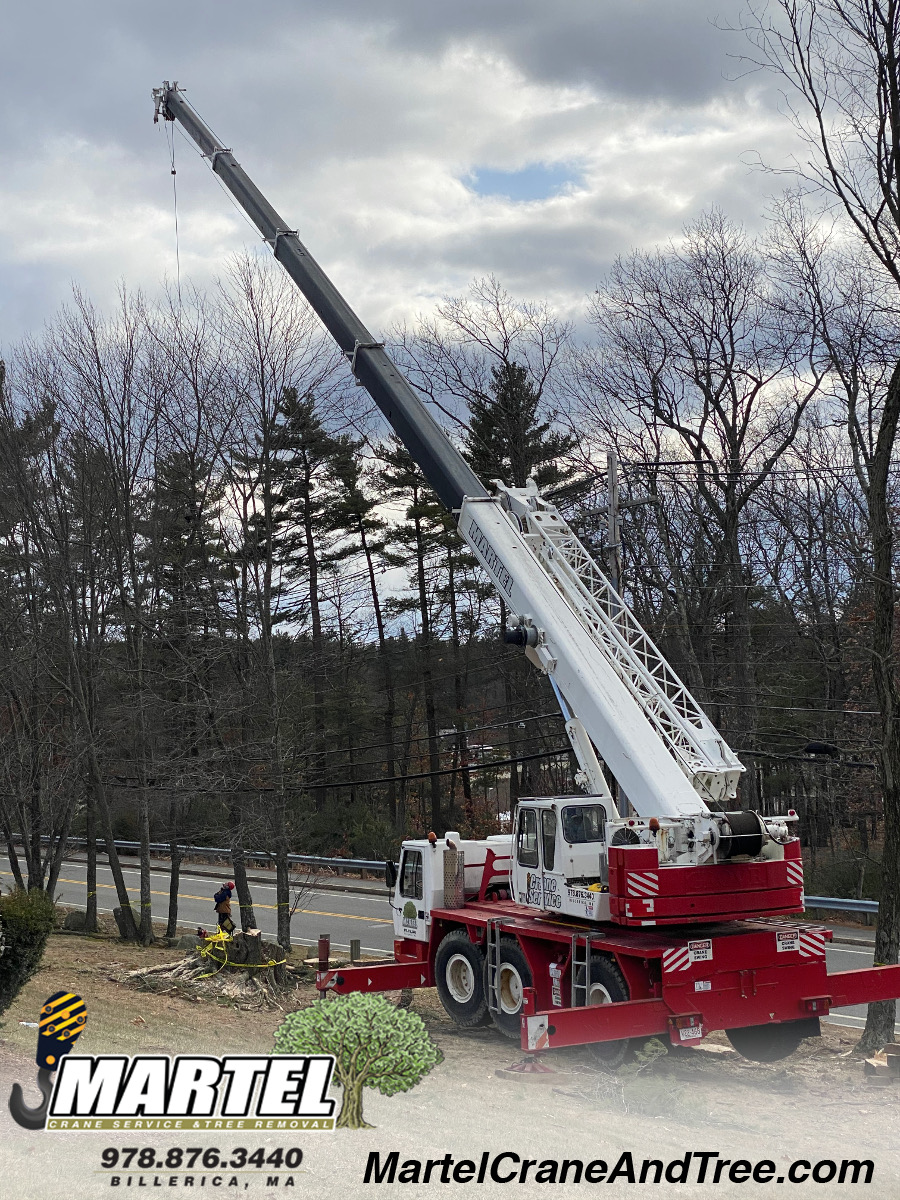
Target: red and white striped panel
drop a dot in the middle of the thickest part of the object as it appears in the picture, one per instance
(794, 872)
(812, 943)
(676, 960)
(643, 883)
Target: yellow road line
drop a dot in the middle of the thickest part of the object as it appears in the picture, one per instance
(313, 912)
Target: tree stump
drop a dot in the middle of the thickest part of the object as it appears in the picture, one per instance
(253, 942)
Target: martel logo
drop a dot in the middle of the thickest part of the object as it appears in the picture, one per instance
(193, 1091)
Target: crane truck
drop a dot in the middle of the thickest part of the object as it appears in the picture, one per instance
(585, 925)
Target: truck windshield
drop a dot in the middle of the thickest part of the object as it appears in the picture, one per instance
(584, 823)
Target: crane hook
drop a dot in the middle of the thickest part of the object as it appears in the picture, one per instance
(31, 1118)
(63, 1018)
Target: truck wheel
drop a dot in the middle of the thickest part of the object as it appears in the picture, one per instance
(514, 976)
(459, 974)
(769, 1043)
(607, 985)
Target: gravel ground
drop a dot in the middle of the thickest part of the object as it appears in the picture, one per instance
(817, 1105)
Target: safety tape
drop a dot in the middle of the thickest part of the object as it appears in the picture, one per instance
(222, 939)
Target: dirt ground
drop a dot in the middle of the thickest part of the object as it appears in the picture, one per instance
(816, 1105)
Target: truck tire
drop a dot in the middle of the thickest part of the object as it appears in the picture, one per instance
(607, 985)
(770, 1043)
(459, 975)
(515, 976)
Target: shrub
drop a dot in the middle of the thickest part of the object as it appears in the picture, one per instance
(26, 919)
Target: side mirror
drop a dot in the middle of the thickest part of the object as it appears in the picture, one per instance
(390, 875)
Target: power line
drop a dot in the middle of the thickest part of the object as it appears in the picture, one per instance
(455, 733)
(352, 783)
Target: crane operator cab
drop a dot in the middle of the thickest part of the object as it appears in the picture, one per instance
(559, 859)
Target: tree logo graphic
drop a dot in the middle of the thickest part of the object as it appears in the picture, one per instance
(374, 1044)
(410, 915)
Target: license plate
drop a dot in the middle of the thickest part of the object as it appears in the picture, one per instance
(691, 1034)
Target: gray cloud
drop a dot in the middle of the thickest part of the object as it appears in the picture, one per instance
(363, 123)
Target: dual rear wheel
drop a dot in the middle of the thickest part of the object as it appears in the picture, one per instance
(462, 985)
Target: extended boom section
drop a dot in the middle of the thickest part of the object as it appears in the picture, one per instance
(447, 472)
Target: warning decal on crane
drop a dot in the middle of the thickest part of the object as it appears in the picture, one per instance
(810, 943)
(643, 883)
(684, 956)
(490, 558)
(794, 869)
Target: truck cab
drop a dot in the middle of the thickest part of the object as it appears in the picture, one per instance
(445, 873)
(559, 860)
(555, 861)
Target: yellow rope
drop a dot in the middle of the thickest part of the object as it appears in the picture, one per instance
(222, 939)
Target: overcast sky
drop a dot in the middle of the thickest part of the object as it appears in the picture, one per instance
(414, 144)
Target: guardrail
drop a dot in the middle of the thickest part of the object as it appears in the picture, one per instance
(832, 903)
(842, 904)
(251, 856)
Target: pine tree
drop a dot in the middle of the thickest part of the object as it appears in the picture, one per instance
(185, 563)
(415, 542)
(309, 496)
(367, 536)
(508, 440)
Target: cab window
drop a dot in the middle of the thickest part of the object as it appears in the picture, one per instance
(527, 838)
(548, 837)
(584, 823)
(411, 875)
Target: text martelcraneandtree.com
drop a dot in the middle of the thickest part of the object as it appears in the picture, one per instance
(695, 1166)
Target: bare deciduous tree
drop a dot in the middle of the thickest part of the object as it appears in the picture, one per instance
(840, 60)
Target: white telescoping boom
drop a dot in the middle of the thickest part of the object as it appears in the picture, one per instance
(621, 699)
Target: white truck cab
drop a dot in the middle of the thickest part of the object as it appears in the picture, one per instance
(444, 873)
(555, 861)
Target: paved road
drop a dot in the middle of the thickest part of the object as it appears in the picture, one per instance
(344, 915)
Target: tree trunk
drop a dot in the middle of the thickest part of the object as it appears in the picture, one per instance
(881, 1017)
(283, 897)
(13, 856)
(743, 676)
(351, 1114)
(390, 703)
(112, 854)
(434, 757)
(98, 791)
(33, 845)
(242, 887)
(146, 923)
(175, 856)
(57, 853)
(90, 916)
(459, 692)
(317, 766)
